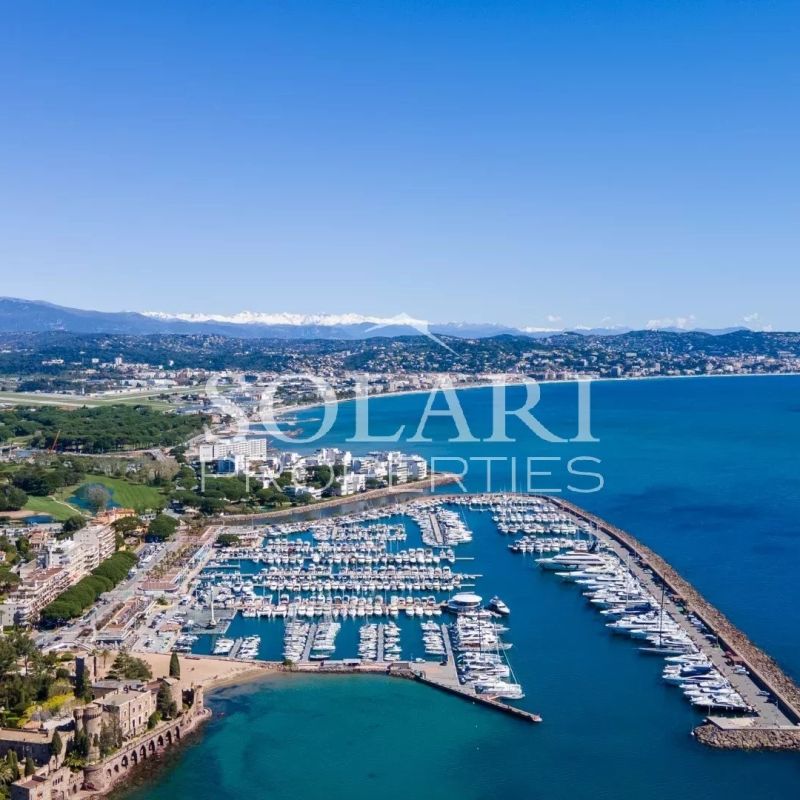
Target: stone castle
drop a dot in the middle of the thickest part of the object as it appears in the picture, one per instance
(124, 707)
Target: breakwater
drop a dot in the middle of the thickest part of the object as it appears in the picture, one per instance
(764, 671)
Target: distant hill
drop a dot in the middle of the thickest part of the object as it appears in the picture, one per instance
(35, 316)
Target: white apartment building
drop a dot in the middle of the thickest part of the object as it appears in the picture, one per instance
(350, 483)
(87, 549)
(38, 589)
(254, 447)
(99, 541)
(416, 467)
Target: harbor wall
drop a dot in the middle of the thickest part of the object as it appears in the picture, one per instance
(763, 669)
(104, 775)
(349, 504)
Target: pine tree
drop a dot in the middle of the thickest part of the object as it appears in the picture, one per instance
(174, 666)
(30, 767)
(56, 745)
(13, 764)
(165, 705)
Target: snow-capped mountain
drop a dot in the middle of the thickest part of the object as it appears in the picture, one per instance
(261, 318)
(35, 316)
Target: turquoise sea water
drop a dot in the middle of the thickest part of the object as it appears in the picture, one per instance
(704, 471)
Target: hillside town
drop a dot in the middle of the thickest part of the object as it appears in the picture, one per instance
(104, 364)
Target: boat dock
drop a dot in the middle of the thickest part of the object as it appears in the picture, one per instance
(775, 722)
(201, 620)
(436, 530)
(380, 644)
(309, 642)
(444, 676)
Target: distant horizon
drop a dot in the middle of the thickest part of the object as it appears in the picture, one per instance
(350, 317)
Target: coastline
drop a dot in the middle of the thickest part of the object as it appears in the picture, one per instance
(210, 672)
(286, 410)
(716, 732)
(215, 674)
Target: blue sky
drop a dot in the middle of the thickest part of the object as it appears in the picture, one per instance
(540, 163)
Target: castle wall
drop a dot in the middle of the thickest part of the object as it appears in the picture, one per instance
(60, 784)
(105, 774)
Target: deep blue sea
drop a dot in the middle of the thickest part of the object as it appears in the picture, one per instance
(702, 470)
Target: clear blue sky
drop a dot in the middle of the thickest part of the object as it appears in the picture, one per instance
(591, 161)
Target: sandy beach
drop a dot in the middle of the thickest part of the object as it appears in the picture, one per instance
(208, 671)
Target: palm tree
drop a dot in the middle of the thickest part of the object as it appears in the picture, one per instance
(7, 775)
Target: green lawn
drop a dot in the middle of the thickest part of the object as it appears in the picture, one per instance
(47, 505)
(129, 495)
(124, 493)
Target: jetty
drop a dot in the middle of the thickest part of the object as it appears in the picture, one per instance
(436, 530)
(444, 676)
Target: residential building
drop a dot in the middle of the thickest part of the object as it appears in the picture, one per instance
(350, 484)
(38, 589)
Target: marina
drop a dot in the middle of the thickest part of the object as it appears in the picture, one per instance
(383, 591)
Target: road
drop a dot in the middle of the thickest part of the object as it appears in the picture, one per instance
(70, 635)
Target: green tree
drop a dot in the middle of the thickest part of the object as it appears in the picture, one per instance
(12, 498)
(72, 524)
(24, 548)
(126, 525)
(8, 580)
(97, 497)
(162, 527)
(130, 667)
(174, 666)
(30, 767)
(13, 764)
(165, 705)
(110, 738)
(56, 745)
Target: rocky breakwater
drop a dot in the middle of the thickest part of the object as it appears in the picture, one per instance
(747, 738)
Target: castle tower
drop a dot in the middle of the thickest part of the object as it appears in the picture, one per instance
(92, 721)
(78, 715)
(86, 669)
(175, 694)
